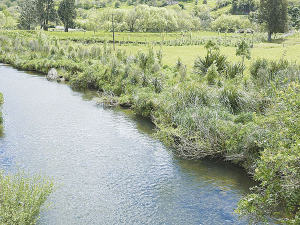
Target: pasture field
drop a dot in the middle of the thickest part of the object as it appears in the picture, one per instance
(288, 47)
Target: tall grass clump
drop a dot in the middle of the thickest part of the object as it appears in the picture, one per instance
(213, 56)
(266, 71)
(22, 197)
(237, 99)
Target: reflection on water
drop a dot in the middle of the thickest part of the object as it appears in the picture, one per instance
(110, 169)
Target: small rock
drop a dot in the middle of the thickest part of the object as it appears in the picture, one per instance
(52, 74)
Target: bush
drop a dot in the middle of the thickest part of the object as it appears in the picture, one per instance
(277, 167)
(234, 69)
(226, 23)
(22, 197)
(236, 99)
(201, 65)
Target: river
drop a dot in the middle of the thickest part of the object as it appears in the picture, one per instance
(109, 167)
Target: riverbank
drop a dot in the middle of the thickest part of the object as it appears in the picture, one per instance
(214, 111)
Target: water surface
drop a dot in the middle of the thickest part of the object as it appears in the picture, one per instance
(110, 169)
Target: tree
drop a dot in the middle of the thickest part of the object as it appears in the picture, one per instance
(45, 12)
(27, 14)
(244, 51)
(274, 14)
(93, 20)
(67, 13)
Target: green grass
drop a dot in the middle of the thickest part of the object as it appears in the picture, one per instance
(133, 37)
(272, 51)
(289, 47)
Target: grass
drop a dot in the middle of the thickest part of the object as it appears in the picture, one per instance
(272, 51)
(289, 46)
(133, 36)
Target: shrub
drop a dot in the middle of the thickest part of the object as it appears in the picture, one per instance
(233, 69)
(144, 102)
(257, 65)
(236, 99)
(212, 74)
(277, 167)
(22, 197)
(201, 65)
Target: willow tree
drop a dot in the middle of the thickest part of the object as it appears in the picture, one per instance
(67, 13)
(274, 14)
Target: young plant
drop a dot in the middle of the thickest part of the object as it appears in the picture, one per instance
(243, 50)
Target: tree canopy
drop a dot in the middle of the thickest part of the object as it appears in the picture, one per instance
(274, 14)
(67, 13)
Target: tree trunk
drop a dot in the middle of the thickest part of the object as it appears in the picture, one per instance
(66, 27)
(269, 36)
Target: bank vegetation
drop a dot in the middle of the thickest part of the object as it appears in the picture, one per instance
(217, 110)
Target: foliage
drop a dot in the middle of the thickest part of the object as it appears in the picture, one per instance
(243, 6)
(28, 14)
(45, 12)
(234, 69)
(265, 71)
(278, 166)
(1, 98)
(213, 56)
(274, 14)
(243, 50)
(229, 23)
(67, 13)
(294, 14)
(219, 113)
(7, 21)
(22, 197)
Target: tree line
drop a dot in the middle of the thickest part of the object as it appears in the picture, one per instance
(270, 15)
(41, 12)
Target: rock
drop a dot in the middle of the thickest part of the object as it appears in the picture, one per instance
(52, 74)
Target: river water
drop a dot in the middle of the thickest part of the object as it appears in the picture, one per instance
(109, 168)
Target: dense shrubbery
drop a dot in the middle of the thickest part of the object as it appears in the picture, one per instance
(144, 18)
(22, 197)
(230, 23)
(251, 120)
(278, 165)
